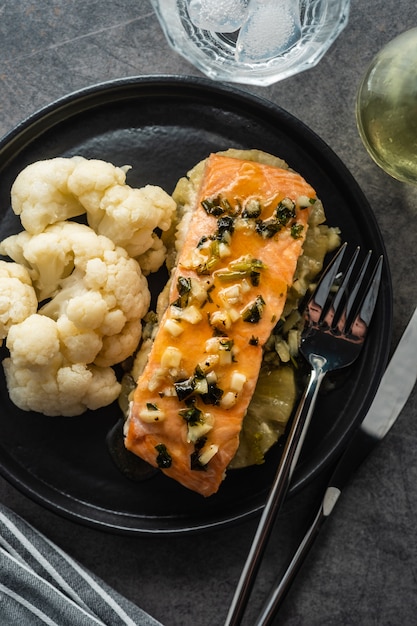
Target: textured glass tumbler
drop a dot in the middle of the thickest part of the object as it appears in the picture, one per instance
(221, 55)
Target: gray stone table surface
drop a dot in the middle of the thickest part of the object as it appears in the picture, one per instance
(363, 568)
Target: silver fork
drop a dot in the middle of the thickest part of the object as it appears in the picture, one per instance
(336, 324)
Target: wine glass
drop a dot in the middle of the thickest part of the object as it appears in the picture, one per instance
(386, 108)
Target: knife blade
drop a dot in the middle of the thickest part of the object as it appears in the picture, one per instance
(393, 392)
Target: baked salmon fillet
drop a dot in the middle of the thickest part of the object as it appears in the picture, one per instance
(227, 292)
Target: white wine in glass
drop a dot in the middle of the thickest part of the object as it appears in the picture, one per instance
(386, 108)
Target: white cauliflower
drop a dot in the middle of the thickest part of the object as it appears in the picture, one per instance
(45, 270)
(130, 216)
(73, 298)
(40, 378)
(96, 290)
(54, 190)
(92, 178)
(153, 258)
(40, 194)
(17, 296)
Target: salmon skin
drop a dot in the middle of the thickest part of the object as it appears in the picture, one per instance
(227, 293)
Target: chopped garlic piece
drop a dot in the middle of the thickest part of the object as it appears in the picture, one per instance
(231, 295)
(207, 365)
(198, 291)
(244, 285)
(157, 378)
(224, 250)
(221, 319)
(191, 314)
(201, 386)
(234, 314)
(208, 453)
(303, 201)
(174, 327)
(193, 260)
(211, 376)
(171, 357)
(228, 400)
(151, 415)
(196, 431)
(237, 381)
(212, 345)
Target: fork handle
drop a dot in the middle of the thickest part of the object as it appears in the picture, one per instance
(281, 588)
(278, 490)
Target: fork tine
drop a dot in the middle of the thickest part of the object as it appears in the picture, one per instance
(335, 316)
(368, 302)
(343, 287)
(325, 284)
(339, 317)
(357, 286)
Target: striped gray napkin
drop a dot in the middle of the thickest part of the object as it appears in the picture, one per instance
(40, 584)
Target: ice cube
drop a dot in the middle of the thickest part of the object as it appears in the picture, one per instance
(220, 16)
(271, 27)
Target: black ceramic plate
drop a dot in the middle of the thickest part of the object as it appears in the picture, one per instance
(162, 126)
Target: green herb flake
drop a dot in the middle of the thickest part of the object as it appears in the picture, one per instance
(285, 211)
(192, 415)
(209, 290)
(296, 231)
(226, 344)
(217, 206)
(253, 313)
(184, 289)
(194, 460)
(184, 388)
(198, 385)
(151, 407)
(225, 224)
(268, 228)
(183, 285)
(163, 459)
(252, 210)
(245, 267)
(212, 207)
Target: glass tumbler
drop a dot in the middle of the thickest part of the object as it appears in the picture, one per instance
(256, 42)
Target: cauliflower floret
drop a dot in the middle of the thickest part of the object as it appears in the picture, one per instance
(127, 342)
(91, 178)
(40, 194)
(103, 388)
(104, 292)
(47, 256)
(34, 342)
(51, 191)
(130, 216)
(73, 304)
(78, 344)
(50, 256)
(17, 296)
(40, 378)
(154, 257)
